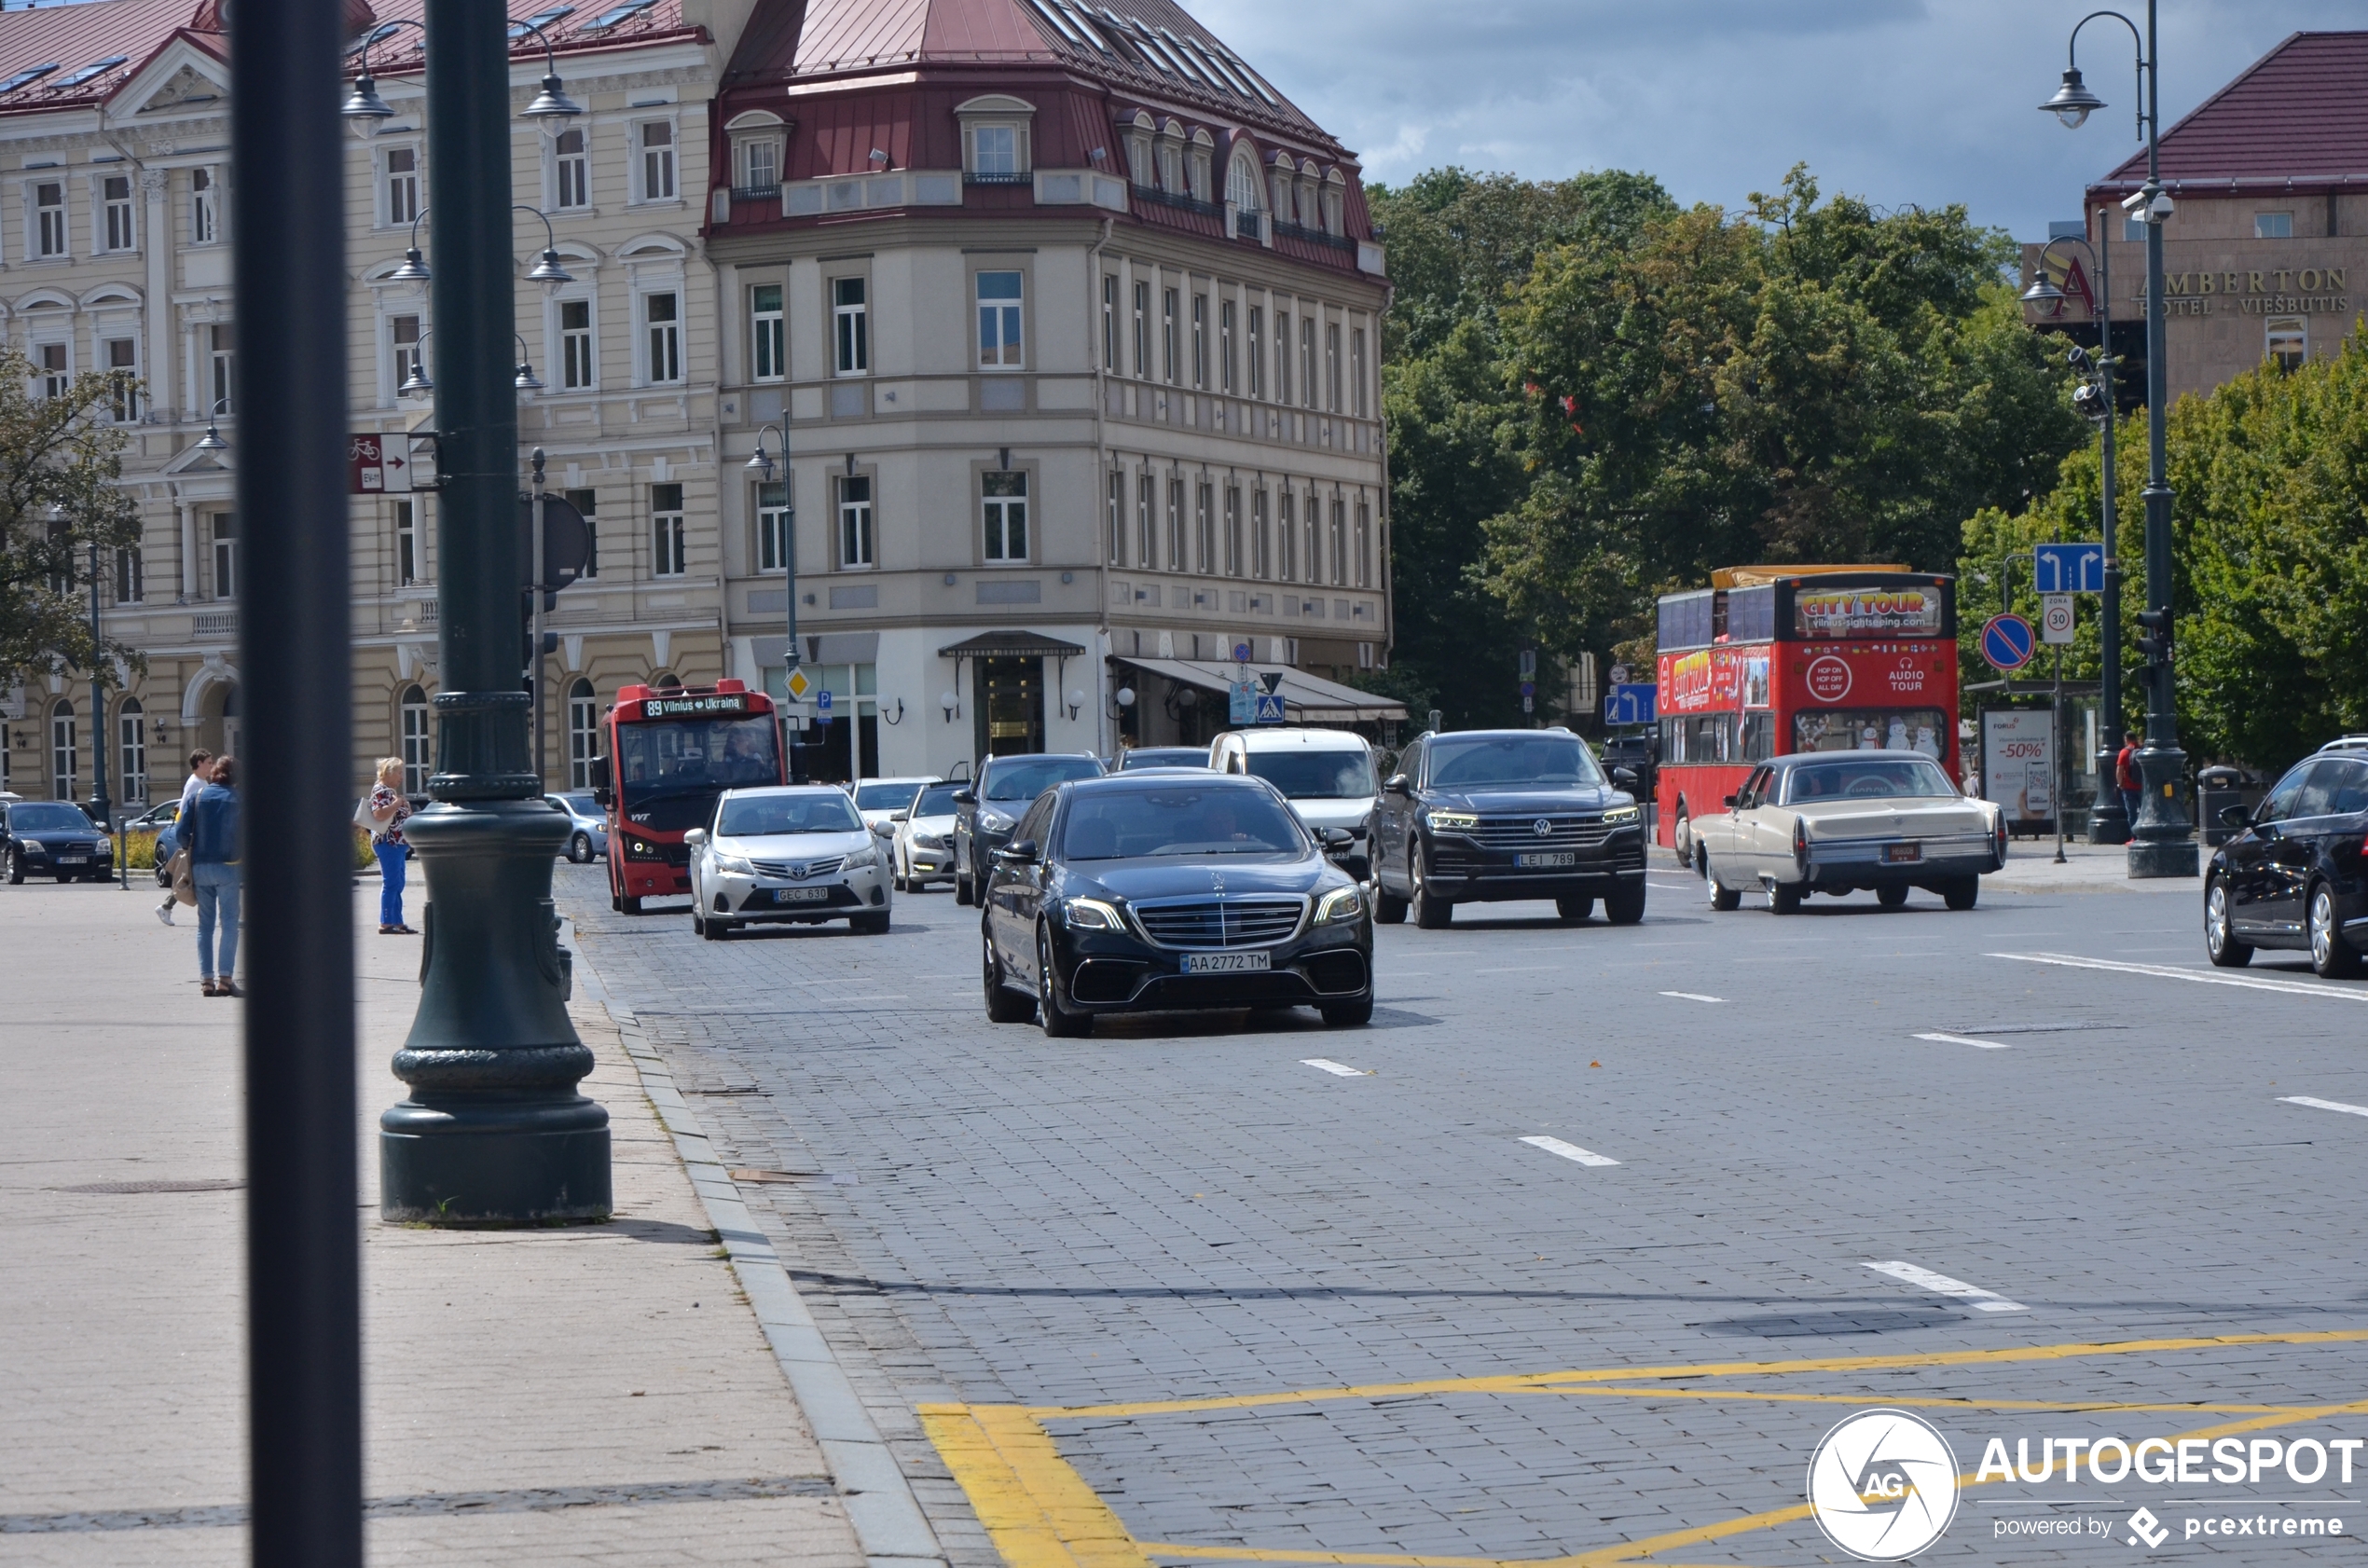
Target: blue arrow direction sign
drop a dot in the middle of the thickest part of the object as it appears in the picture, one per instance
(2006, 643)
(2067, 568)
(1630, 704)
(1269, 709)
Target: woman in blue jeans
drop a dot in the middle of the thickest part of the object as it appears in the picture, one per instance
(209, 832)
(389, 809)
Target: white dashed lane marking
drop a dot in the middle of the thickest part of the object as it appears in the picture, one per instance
(2201, 977)
(1571, 1151)
(1692, 997)
(1961, 1039)
(1338, 1069)
(1924, 1279)
(2322, 1105)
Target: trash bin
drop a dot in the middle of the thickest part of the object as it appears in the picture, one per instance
(2217, 789)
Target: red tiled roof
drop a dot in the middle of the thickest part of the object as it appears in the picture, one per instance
(2298, 115)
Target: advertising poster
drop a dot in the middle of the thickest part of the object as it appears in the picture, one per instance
(2018, 766)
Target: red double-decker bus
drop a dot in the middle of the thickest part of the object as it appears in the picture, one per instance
(1771, 660)
(672, 752)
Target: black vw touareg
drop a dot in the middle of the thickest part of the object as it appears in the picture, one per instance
(1484, 816)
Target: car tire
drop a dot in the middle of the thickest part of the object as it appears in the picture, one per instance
(1431, 913)
(1784, 899)
(1962, 893)
(1003, 1004)
(1681, 838)
(580, 849)
(872, 924)
(1892, 897)
(1348, 1015)
(15, 869)
(1625, 907)
(1575, 911)
(1722, 898)
(1388, 908)
(2331, 957)
(1058, 1022)
(964, 894)
(2220, 932)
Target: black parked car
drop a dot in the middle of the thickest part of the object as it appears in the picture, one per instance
(2293, 875)
(1140, 757)
(1166, 891)
(984, 812)
(1482, 816)
(53, 838)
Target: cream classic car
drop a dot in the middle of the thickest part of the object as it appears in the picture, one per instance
(1842, 823)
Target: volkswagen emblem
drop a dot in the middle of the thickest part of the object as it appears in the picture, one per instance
(1542, 828)
(797, 873)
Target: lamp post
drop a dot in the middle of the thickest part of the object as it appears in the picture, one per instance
(2108, 821)
(761, 464)
(2163, 838)
(493, 1131)
(99, 812)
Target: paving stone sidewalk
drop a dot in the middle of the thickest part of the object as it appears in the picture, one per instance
(600, 1395)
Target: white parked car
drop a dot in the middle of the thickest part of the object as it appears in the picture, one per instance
(1327, 776)
(1842, 822)
(794, 854)
(922, 851)
(881, 798)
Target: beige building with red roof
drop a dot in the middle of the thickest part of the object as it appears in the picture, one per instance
(2266, 256)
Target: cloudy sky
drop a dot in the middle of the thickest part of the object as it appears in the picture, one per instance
(1899, 101)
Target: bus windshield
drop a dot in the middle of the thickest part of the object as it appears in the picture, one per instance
(696, 754)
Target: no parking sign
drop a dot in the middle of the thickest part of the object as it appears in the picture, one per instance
(2006, 643)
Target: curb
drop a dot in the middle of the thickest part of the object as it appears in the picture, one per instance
(889, 1523)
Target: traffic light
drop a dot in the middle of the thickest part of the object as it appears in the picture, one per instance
(2155, 647)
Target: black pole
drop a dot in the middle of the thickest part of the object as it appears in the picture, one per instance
(98, 705)
(304, 1360)
(2162, 839)
(2108, 823)
(493, 1131)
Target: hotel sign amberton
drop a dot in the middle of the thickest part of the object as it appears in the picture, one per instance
(2281, 291)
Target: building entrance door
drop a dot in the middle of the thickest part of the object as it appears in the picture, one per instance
(1008, 701)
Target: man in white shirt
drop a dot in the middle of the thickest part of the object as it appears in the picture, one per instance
(199, 762)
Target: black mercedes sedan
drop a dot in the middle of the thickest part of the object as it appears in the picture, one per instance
(1159, 891)
(1481, 816)
(2296, 874)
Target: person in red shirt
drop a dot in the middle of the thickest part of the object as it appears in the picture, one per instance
(2125, 777)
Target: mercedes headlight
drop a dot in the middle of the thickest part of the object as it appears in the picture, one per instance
(734, 865)
(1622, 816)
(1093, 915)
(867, 856)
(1342, 904)
(1453, 821)
(928, 841)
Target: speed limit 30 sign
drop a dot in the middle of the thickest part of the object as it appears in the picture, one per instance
(2056, 618)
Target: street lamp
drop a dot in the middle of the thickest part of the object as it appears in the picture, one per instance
(2108, 819)
(212, 440)
(493, 1131)
(761, 464)
(416, 382)
(525, 381)
(547, 271)
(2162, 839)
(413, 270)
(98, 699)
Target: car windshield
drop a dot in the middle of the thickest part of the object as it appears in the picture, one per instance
(47, 819)
(1162, 756)
(1023, 778)
(583, 805)
(1523, 759)
(884, 797)
(1863, 778)
(1316, 775)
(1171, 818)
(660, 756)
(758, 816)
(936, 800)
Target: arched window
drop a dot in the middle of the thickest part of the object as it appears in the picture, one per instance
(584, 733)
(413, 729)
(64, 753)
(132, 737)
(1241, 184)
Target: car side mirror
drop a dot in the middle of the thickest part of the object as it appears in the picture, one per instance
(1395, 784)
(883, 829)
(1022, 853)
(1730, 803)
(2236, 817)
(899, 815)
(695, 839)
(965, 797)
(1338, 836)
(1624, 777)
(600, 772)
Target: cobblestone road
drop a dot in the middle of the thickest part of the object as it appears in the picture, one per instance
(2047, 1118)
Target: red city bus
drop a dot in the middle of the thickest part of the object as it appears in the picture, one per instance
(1771, 660)
(672, 752)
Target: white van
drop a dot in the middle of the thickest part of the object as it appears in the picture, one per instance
(1327, 775)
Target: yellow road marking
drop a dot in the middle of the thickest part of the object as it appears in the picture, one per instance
(1041, 1514)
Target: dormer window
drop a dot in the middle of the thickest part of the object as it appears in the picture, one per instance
(1335, 203)
(995, 140)
(759, 142)
(1203, 150)
(1171, 167)
(1241, 185)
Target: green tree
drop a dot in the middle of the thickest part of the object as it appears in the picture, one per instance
(60, 463)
